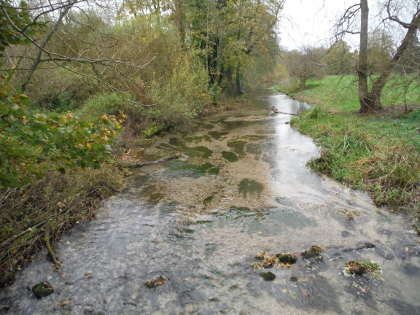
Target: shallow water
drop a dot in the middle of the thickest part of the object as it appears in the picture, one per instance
(202, 232)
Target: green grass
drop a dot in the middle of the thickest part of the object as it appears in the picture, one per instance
(340, 92)
(376, 153)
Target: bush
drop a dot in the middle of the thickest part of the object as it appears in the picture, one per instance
(110, 104)
(31, 143)
(183, 95)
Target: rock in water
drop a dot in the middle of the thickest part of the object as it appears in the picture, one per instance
(268, 276)
(313, 252)
(356, 268)
(156, 282)
(288, 259)
(42, 289)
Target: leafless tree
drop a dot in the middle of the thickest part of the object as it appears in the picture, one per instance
(51, 14)
(370, 100)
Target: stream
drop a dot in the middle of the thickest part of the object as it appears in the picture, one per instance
(242, 187)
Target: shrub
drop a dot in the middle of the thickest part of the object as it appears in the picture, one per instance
(183, 95)
(110, 104)
(32, 143)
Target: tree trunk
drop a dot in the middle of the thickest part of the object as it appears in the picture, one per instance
(379, 84)
(238, 87)
(179, 18)
(362, 71)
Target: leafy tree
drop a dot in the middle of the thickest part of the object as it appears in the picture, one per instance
(339, 58)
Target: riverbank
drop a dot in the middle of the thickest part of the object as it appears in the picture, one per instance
(376, 153)
(35, 216)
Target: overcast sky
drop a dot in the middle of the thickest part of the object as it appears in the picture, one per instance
(310, 22)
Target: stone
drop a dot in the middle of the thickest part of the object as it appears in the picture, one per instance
(288, 259)
(356, 268)
(313, 252)
(42, 289)
(268, 276)
(156, 282)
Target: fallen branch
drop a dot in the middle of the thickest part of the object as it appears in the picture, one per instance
(138, 165)
(51, 253)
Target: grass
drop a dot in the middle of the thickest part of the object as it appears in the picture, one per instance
(376, 153)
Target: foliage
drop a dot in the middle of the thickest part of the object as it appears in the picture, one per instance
(110, 104)
(339, 59)
(20, 17)
(183, 95)
(32, 143)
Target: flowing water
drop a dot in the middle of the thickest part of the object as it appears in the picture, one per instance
(200, 221)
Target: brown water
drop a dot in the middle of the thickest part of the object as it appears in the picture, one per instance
(200, 226)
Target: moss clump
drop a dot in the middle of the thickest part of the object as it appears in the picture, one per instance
(156, 282)
(42, 289)
(250, 186)
(313, 252)
(268, 276)
(230, 156)
(238, 147)
(287, 259)
(362, 267)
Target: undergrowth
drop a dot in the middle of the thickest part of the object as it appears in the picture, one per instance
(34, 216)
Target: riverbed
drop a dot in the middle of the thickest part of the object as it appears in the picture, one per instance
(240, 187)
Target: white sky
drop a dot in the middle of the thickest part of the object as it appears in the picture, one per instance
(310, 22)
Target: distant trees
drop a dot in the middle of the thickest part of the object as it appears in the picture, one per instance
(231, 35)
(339, 59)
(305, 64)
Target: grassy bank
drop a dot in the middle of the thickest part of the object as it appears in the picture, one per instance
(378, 153)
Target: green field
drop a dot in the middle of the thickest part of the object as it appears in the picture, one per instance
(376, 153)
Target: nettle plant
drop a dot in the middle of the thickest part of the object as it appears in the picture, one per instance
(32, 142)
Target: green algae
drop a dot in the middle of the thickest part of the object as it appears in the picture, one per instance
(209, 199)
(230, 156)
(197, 170)
(152, 194)
(199, 151)
(250, 186)
(217, 135)
(238, 147)
(176, 142)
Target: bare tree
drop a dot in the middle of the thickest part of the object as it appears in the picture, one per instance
(50, 15)
(370, 100)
